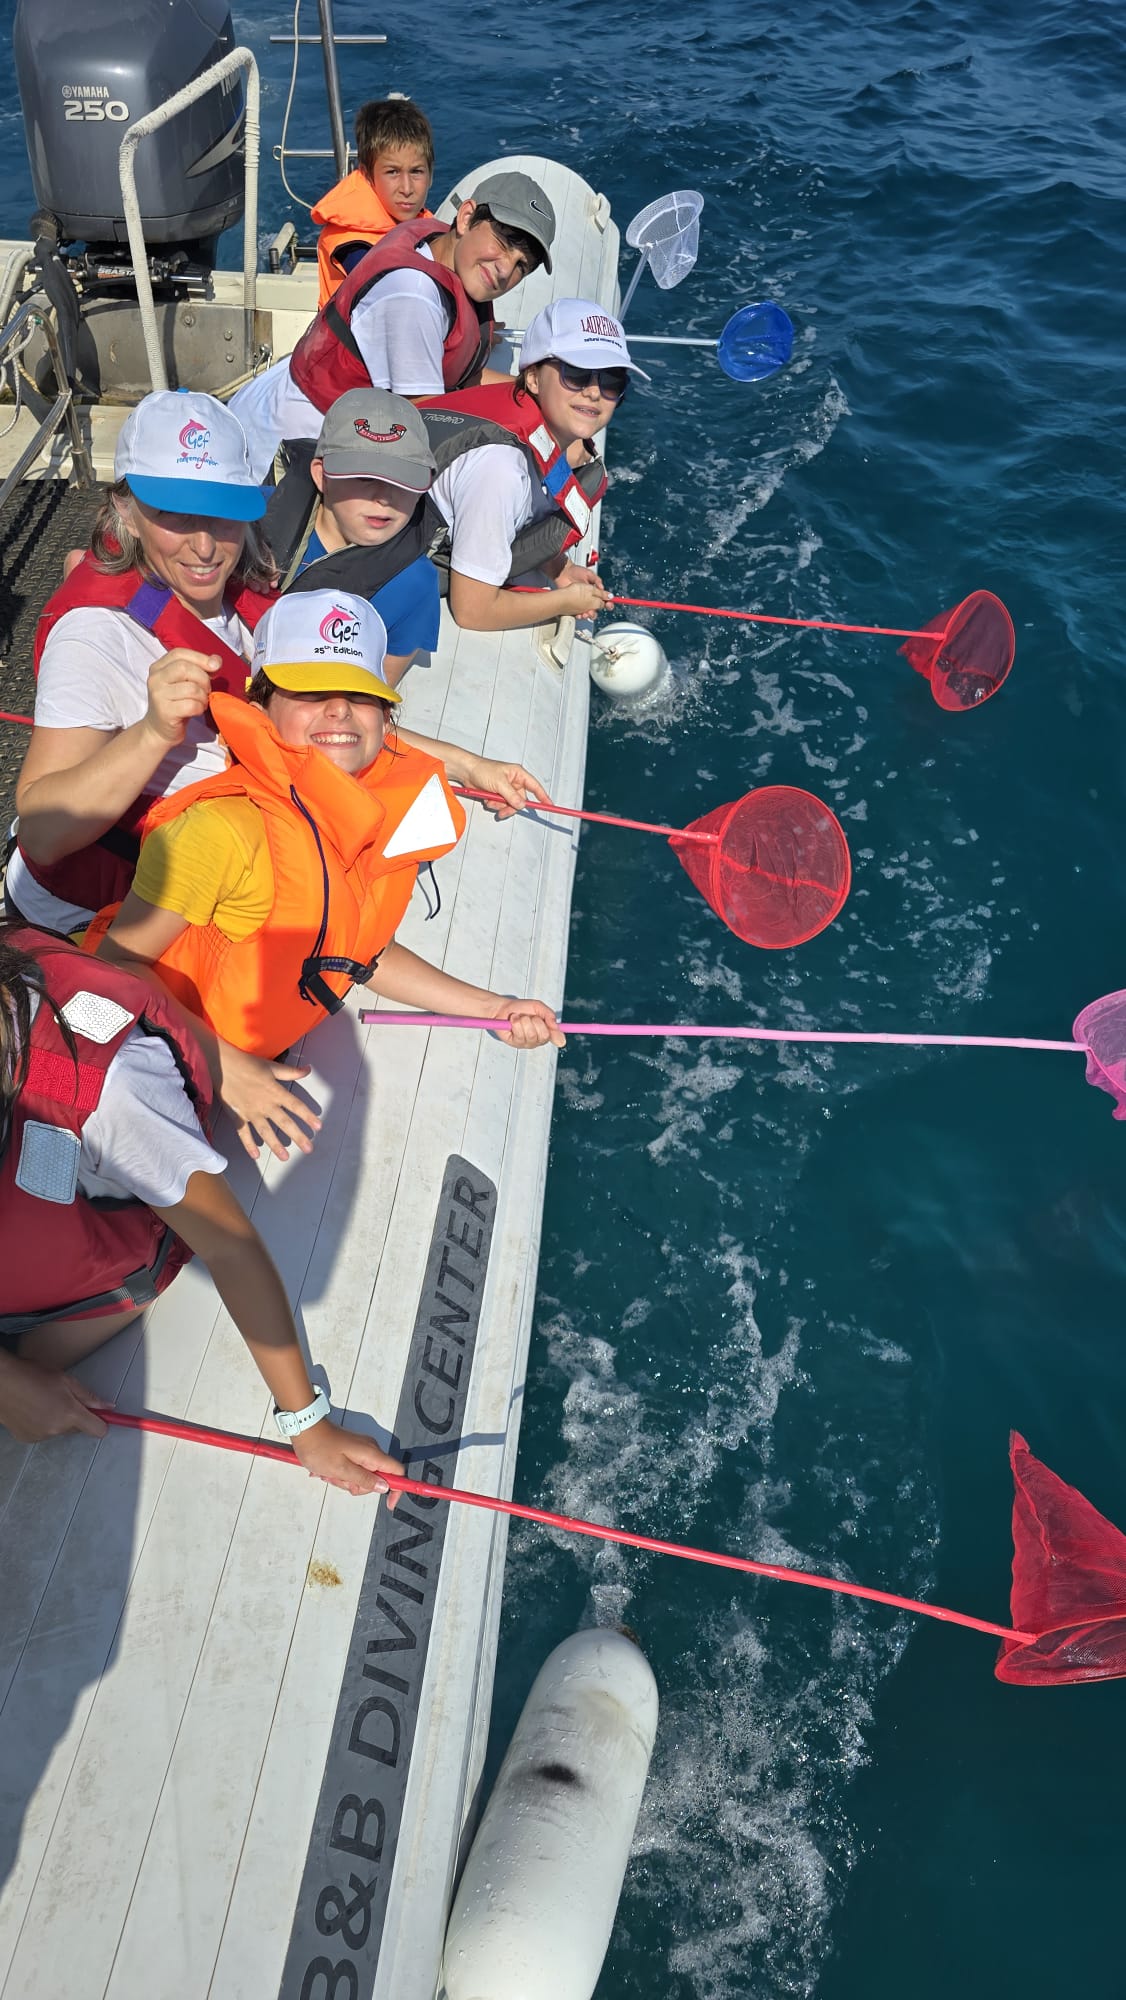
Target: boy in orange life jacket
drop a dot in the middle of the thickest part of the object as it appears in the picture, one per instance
(396, 166)
(262, 897)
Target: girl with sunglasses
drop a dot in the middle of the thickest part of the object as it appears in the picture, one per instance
(518, 474)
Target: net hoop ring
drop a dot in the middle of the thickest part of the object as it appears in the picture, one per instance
(995, 634)
(798, 832)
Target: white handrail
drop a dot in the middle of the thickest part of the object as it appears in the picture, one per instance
(238, 59)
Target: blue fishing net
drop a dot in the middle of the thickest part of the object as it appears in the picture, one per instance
(756, 342)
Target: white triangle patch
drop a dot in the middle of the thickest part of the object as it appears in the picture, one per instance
(426, 823)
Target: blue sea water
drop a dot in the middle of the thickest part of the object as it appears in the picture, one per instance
(792, 1299)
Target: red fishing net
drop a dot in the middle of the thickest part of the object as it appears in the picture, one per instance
(975, 651)
(1101, 1028)
(1069, 1582)
(776, 867)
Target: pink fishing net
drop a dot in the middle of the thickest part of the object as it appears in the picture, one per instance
(1101, 1029)
(777, 869)
(1069, 1582)
(976, 650)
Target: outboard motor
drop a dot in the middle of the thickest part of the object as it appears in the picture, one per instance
(88, 69)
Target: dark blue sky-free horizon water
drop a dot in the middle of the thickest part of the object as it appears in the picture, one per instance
(791, 1300)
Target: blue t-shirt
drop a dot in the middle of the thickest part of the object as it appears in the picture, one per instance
(410, 605)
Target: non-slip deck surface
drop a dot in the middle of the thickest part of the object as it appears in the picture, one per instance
(175, 1622)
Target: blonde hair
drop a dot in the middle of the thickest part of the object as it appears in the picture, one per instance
(117, 549)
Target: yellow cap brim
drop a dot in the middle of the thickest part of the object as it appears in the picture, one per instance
(328, 677)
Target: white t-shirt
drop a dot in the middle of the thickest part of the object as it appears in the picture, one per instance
(94, 675)
(400, 329)
(143, 1141)
(484, 497)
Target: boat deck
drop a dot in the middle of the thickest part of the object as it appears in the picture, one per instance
(242, 1717)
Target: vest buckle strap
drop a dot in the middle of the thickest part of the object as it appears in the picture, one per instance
(314, 988)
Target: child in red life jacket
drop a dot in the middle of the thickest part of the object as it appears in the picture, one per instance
(395, 146)
(518, 474)
(108, 1183)
(158, 613)
(414, 316)
(265, 895)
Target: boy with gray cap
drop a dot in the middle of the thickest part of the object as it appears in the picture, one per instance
(414, 315)
(349, 514)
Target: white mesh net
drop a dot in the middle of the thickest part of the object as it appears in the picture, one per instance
(668, 234)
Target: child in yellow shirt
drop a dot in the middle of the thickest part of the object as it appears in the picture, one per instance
(396, 154)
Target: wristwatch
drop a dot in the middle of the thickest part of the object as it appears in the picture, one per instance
(292, 1422)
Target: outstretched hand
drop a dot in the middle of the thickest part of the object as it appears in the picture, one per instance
(345, 1458)
(510, 782)
(255, 1093)
(37, 1403)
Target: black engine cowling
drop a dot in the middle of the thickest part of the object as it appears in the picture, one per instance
(88, 69)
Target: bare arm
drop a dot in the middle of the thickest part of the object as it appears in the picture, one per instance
(511, 782)
(401, 975)
(492, 607)
(76, 783)
(253, 1089)
(213, 1224)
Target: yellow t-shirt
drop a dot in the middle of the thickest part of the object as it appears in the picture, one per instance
(211, 864)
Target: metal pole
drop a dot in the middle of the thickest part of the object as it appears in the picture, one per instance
(332, 86)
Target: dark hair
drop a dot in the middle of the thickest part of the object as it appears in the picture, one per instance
(20, 978)
(392, 121)
(513, 239)
(117, 549)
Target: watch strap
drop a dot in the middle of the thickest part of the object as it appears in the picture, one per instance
(292, 1422)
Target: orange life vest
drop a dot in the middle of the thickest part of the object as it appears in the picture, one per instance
(102, 872)
(349, 214)
(345, 854)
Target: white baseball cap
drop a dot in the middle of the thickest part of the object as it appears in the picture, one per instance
(322, 642)
(580, 331)
(187, 454)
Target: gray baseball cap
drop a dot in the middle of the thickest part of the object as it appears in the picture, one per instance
(521, 203)
(371, 434)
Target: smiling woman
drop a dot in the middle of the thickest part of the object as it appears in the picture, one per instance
(158, 613)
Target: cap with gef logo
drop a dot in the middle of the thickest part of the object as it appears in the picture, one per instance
(323, 642)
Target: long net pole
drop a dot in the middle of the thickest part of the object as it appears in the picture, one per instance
(492, 1503)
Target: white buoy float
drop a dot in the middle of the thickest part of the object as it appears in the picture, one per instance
(626, 660)
(535, 1908)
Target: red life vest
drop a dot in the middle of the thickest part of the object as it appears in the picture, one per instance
(499, 412)
(64, 1256)
(326, 360)
(339, 893)
(102, 872)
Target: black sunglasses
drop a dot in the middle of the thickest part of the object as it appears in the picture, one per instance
(612, 382)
